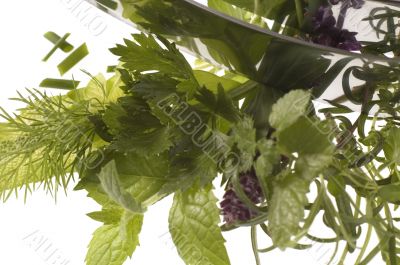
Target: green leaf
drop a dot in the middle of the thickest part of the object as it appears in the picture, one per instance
(287, 209)
(268, 9)
(226, 8)
(390, 193)
(99, 89)
(267, 159)
(193, 224)
(147, 179)
(336, 185)
(135, 128)
(244, 138)
(392, 145)
(112, 244)
(289, 108)
(144, 142)
(107, 216)
(212, 81)
(111, 184)
(46, 141)
(220, 104)
(193, 166)
(306, 136)
(146, 54)
(310, 165)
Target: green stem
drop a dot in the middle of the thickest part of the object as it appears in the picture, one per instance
(254, 244)
(299, 12)
(368, 235)
(344, 254)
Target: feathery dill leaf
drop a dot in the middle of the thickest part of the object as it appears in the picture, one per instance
(51, 137)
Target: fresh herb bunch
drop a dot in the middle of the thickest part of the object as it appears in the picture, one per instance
(159, 127)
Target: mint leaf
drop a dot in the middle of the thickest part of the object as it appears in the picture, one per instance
(107, 216)
(289, 108)
(113, 244)
(267, 159)
(287, 209)
(305, 136)
(111, 184)
(193, 224)
(308, 166)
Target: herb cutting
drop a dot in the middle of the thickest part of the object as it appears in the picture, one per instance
(245, 116)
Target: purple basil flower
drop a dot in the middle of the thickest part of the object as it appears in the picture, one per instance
(233, 209)
(326, 32)
(323, 18)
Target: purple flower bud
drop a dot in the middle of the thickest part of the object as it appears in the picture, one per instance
(233, 209)
(323, 18)
(325, 31)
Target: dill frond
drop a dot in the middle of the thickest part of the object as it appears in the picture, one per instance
(50, 139)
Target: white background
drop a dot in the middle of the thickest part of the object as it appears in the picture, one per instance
(64, 225)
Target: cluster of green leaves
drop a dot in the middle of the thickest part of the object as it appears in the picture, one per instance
(147, 155)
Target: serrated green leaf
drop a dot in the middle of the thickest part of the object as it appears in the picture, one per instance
(289, 108)
(135, 128)
(220, 104)
(268, 157)
(264, 165)
(145, 143)
(111, 184)
(287, 209)
(193, 224)
(244, 138)
(144, 53)
(211, 81)
(113, 244)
